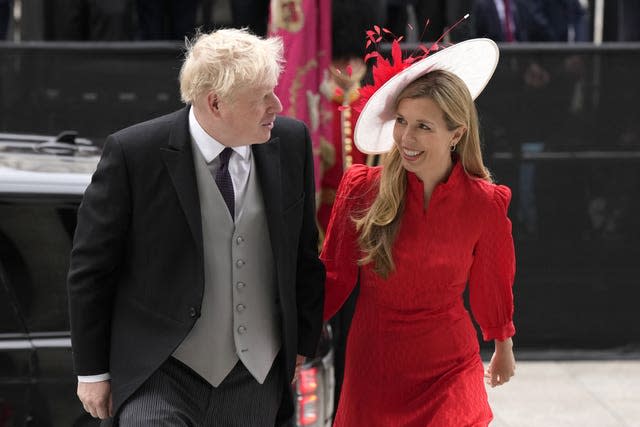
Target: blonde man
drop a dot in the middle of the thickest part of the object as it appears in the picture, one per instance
(194, 287)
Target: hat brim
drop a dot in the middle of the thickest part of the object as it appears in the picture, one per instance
(474, 61)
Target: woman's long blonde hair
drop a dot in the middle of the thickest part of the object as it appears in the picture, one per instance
(379, 225)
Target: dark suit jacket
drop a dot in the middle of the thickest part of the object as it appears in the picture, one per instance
(549, 20)
(486, 21)
(136, 276)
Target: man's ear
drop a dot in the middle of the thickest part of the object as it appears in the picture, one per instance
(213, 103)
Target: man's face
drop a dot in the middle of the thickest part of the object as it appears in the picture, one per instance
(249, 117)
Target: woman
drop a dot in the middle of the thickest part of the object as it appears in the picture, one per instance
(414, 233)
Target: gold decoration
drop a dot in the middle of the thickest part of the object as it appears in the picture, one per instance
(327, 154)
(287, 15)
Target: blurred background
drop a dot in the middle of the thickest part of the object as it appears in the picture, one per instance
(560, 120)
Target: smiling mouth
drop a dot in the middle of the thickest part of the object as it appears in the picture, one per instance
(411, 153)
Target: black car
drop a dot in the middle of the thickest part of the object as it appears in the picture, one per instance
(42, 180)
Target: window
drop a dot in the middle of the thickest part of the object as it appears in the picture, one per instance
(35, 242)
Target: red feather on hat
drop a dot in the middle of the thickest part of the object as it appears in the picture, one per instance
(383, 70)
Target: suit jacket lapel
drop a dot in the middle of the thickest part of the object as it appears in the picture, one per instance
(178, 158)
(268, 169)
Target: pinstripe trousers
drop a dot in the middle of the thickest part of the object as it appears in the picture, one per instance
(175, 396)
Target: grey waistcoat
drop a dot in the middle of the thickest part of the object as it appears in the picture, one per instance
(239, 315)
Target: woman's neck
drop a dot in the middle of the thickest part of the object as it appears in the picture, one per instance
(432, 178)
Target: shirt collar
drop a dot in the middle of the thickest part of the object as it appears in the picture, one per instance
(208, 146)
(457, 175)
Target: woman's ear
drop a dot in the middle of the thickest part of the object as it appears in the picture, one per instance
(457, 134)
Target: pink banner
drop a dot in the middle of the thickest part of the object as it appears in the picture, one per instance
(305, 28)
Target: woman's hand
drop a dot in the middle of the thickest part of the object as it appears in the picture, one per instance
(503, 364)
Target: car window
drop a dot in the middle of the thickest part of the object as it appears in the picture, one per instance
(9, 324)
(35, 241)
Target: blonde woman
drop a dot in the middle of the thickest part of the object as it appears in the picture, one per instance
(416, 232)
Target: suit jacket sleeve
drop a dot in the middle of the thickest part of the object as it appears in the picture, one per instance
(310, 271)
(98, 248)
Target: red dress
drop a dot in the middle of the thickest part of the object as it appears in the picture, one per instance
(412, 355)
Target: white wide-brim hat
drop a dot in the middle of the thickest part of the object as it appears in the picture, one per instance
(474, 61)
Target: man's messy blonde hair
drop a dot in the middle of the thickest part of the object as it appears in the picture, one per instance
(225, 60)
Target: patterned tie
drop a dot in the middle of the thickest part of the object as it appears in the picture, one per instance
(508, 22)
(223, 179)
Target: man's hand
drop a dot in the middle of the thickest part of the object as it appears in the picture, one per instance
(299, 361)
(96, 398)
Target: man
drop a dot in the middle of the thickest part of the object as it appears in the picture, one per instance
(194, 277)
(6, 9)
(500, 20)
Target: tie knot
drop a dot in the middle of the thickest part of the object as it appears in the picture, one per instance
(224, 156)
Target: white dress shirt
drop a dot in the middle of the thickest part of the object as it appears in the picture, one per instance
(239, 169)
(239, 162)
(502, 14)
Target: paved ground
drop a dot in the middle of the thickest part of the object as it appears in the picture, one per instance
(598, 393)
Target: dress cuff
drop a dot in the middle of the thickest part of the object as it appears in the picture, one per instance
(499, 332)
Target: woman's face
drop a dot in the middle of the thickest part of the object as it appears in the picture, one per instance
(422, 137)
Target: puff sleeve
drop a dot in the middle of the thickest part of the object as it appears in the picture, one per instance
(493, 270)
(340, 251)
